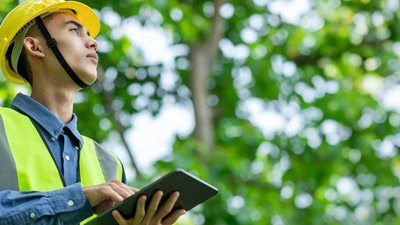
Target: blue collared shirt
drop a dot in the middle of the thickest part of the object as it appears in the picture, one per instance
(63, 140)
(54, 207)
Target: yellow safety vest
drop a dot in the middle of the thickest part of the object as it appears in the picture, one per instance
(27, 165)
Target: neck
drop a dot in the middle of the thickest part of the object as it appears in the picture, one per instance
(58, 100)
(53, 88)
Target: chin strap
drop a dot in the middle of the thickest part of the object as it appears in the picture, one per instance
(52, 43)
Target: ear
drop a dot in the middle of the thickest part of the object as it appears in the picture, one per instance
(33, 47)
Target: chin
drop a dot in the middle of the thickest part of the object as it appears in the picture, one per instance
(91, 81)
(89, 77)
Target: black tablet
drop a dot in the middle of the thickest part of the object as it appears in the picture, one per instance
(193, 191)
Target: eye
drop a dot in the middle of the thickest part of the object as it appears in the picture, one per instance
(75, 30)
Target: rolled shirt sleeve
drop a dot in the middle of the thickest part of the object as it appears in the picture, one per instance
(63, 206)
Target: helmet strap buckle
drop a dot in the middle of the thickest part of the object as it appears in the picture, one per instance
(51, 43)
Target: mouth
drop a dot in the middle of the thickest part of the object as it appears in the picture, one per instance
(93, 56)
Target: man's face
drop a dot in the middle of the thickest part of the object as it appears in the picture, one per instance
(75, 44)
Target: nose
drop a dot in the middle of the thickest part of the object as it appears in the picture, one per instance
(92, 43)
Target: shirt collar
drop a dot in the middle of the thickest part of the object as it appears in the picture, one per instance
(72, 126)
(44, 117)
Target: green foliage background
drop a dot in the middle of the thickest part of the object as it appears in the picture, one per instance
(331, 170)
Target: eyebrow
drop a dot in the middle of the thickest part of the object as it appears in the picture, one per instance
(79, 25)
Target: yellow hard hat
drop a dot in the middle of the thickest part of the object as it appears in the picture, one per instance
(25, 12)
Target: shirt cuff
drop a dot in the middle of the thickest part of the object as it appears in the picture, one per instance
(71, 204)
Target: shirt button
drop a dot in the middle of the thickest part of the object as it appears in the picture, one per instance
(76, 147)
(53, 138)
(32, 215)
(71, 203)
(67, 157)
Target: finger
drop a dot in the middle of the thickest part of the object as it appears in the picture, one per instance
(152, 209)
(118, 217)
(140, 210)
(129, 189)
(173, 217)
(110, 194)
(112, 191)
(167, 206)
(123, 190)
(134, 189)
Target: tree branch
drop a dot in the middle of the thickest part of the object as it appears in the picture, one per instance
(109, 98)
(216, 30)
(202, 55)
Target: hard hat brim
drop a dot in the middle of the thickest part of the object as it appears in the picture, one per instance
(84, 14)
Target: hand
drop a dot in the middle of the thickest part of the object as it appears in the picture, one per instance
(103, 196)
(153, 215)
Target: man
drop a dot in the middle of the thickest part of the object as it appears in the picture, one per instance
(49, 173)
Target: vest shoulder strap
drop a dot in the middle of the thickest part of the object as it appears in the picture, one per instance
(8, 175)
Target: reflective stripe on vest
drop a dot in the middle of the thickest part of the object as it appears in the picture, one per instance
(27, 165)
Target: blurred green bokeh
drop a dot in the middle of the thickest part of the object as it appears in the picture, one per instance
(305, 102)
